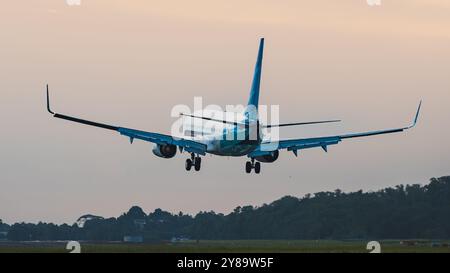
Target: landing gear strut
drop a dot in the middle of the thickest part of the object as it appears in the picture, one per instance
(249, 165)
(194, 161)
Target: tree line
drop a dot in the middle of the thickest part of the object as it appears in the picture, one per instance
(401, 212)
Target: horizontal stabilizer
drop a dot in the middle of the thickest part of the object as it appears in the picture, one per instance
(213, 119)
(301, 123)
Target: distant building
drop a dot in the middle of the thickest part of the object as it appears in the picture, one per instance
(436, 244)
(408, 243)
(133, 239)
(3, 235)
(180, 239)
(140, 223)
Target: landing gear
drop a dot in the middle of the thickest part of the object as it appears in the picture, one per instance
(188, 164)
(249, 165)
(194, 161)
(197, 163)
(257, 167)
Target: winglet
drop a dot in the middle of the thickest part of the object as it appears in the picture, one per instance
(48, 103)
(417, 115)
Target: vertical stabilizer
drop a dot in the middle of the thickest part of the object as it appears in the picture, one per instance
(254, 92)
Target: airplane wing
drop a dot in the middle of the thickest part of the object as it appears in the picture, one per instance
(295, 145)
(184, 144)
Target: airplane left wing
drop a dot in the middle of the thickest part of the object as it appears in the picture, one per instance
(295, 145)
(185, 144)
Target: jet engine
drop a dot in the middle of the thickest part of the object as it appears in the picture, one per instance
(269, 157)
(165, 151)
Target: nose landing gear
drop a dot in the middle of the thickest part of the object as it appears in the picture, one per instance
(194, 161)
(249, 165)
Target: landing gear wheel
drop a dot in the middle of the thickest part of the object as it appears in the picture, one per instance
(188, 164)
(197, 163)
(248, 167)
(257, 167)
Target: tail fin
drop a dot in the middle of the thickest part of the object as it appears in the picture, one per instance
(254, 92)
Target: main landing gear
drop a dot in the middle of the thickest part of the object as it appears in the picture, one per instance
(194, 161)
(252, 165)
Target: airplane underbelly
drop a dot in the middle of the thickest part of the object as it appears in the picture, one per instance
(233, 148)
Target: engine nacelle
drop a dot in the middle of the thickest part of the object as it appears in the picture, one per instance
(268, 158)
(165, 151)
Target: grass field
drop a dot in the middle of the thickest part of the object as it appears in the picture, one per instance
(226, 247)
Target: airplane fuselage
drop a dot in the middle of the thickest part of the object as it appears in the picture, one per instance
(232, 147)
(230, 140)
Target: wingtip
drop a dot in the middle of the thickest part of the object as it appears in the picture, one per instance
(48, 103)
(416, 118)
(418, 112)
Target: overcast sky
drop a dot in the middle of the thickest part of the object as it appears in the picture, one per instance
(129, 62)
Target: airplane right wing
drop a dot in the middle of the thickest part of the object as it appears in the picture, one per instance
(295, 145)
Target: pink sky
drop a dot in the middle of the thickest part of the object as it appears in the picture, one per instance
(130, 62)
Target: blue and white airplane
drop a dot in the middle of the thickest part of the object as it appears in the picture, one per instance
(251, 142)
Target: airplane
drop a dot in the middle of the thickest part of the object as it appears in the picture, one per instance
(251, 143)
